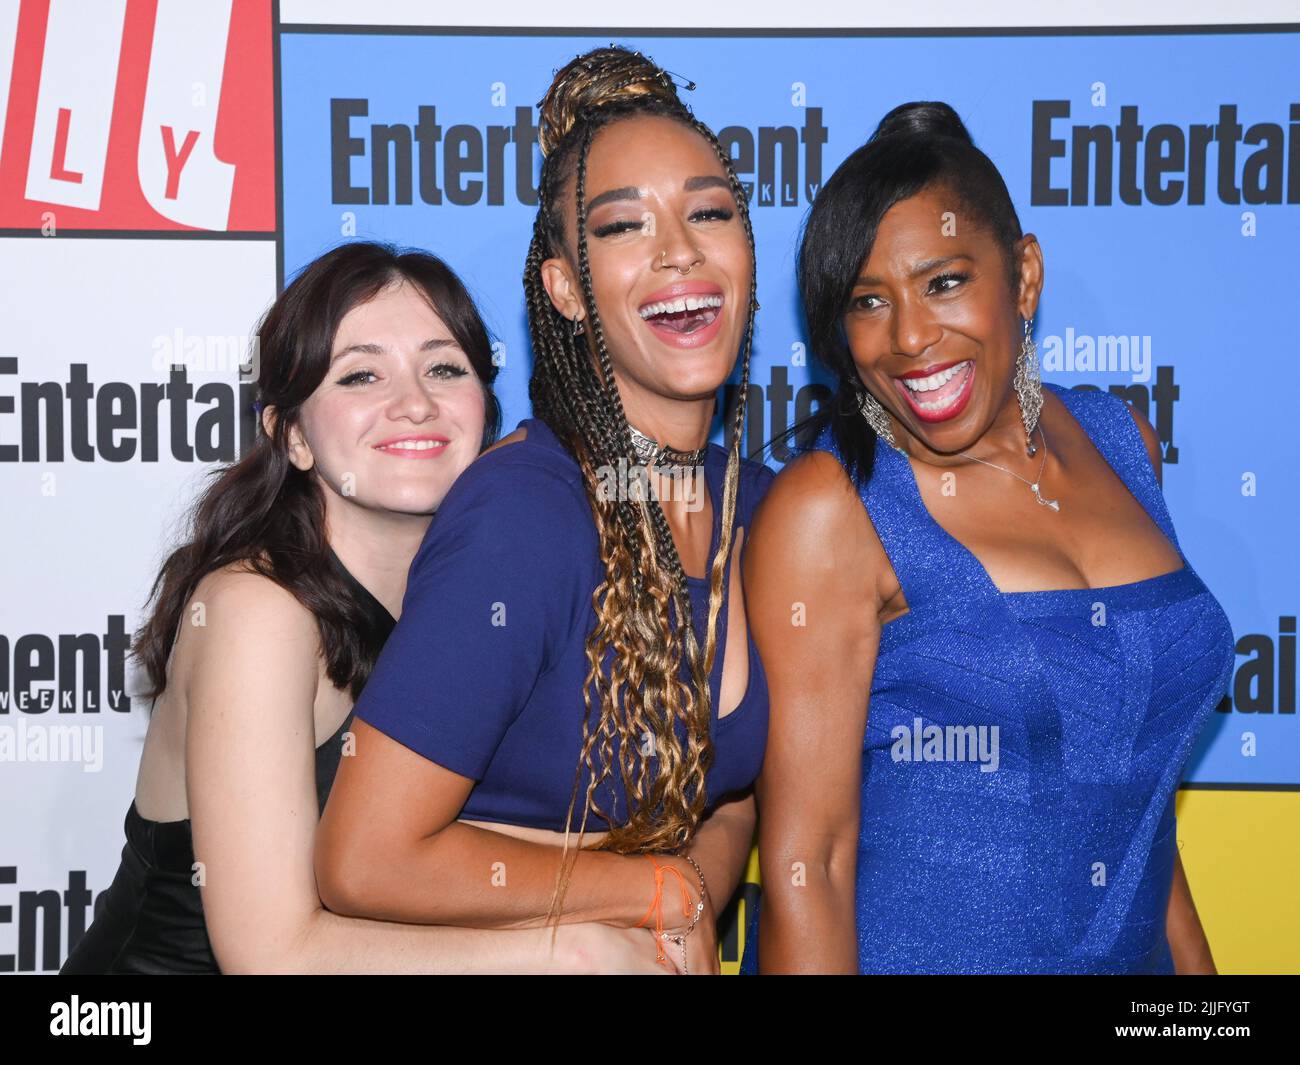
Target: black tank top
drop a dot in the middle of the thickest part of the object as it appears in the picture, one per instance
(150, 920)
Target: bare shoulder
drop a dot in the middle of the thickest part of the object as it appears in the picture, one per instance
(235, 606)
(812, 521)
(517, 437)
(238, 585)
(810, 497)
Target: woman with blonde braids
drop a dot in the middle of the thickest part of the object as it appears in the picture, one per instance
(566, 723)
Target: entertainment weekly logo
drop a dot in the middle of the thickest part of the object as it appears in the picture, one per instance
(46, 676)
(199, 408)
(153, 115)
(1231, 158)
(434, 159)
(775, 402)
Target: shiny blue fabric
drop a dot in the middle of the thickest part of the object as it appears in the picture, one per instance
(1061, 860)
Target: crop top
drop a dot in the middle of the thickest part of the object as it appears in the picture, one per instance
(484, 672)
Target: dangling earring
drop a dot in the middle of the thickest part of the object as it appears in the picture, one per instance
(1028, 384)
(878, 419)
(578, 327)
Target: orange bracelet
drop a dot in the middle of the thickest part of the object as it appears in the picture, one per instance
(656, 905)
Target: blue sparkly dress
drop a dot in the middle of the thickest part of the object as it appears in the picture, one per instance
(1060, 860)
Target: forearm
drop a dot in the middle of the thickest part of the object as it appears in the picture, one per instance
(722, 846)
(328, 943)
(477, 878)
(808, 922)
(1187, 941)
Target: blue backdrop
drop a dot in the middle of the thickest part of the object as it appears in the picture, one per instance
(1161, 174)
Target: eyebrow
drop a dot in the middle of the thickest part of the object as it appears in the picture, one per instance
(631, 192)
(918, 269)
(432, 344)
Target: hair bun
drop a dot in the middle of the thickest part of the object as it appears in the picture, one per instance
(595, 78)
(923, 118)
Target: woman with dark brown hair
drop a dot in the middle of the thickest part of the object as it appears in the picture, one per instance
(570, 655)
(375, 390)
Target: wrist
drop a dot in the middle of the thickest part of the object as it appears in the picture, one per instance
(690, 898)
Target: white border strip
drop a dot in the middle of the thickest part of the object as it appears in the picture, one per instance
(784, 14)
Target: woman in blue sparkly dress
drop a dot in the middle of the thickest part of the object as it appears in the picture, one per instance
(988, 657)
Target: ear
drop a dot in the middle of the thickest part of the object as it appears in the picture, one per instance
(1030, 274)
(299, 453)
(268, 421)
(563, 288)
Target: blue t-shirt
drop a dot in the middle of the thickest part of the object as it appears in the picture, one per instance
(484, 671)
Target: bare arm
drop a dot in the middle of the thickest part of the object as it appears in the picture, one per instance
(390, 848)
(811, 588)
(250, 683)
(1187, 940)
(722, 846)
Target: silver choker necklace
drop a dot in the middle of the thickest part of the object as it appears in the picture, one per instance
(651, 453)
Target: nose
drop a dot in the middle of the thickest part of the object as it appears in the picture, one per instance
(675, 248)
(913, 327)
(412, 399)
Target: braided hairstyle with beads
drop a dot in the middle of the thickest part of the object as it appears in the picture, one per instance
(573, 390)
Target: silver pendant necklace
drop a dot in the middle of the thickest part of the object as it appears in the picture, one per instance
(1034, 484)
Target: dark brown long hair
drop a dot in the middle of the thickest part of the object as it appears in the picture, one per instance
(266, 513)
(573, 391)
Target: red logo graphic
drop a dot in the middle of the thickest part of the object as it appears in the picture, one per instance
(137, 115)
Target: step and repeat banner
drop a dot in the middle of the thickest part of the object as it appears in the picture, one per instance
(165, 166)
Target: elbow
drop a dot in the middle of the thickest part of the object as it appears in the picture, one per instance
(282, 948)
(840, 859)
(338, 890)
(336, 894)
(365, 877)
(339, 883)
(826, 857)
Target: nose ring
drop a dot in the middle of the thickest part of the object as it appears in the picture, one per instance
(663, 261)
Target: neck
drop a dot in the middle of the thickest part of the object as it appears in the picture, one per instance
(680, 424)
(376, 546)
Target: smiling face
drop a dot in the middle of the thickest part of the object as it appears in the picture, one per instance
(670, 261)
(400, 412)
(933, 326)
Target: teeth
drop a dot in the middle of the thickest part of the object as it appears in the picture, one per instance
(938, 380)
(414, 445)
(681, 303)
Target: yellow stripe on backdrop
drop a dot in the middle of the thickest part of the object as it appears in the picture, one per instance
(733, 922)
(1241, 853)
